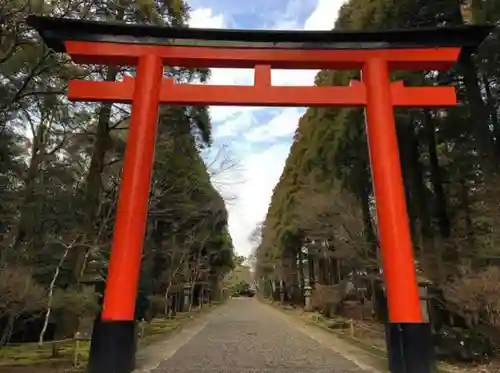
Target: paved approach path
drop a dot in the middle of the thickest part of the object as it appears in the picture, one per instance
(246, 336)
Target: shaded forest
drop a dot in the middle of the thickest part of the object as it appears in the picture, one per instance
(321, 224)
(60, 169)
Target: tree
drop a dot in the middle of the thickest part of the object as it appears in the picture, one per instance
(239, 260)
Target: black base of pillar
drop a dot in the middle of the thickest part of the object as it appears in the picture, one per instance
(113, 347)
(410, 348)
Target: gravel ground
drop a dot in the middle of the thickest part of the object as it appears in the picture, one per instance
(245, 336)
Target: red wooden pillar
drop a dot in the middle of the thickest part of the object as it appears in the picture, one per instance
(392, 218)
(114, 337)
(126, 252)
(409, 342)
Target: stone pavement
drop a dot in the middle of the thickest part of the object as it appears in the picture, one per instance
(246, 336)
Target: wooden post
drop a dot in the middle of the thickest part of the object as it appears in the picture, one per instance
(76, 352)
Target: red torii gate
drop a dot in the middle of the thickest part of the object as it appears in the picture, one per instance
(376, 54)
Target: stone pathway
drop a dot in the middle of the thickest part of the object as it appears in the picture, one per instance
(245, 336)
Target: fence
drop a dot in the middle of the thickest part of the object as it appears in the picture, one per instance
(75, 348)
(371, 335)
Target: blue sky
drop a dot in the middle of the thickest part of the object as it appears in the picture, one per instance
(251, 143)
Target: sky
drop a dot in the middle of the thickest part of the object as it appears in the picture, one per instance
(251, 144)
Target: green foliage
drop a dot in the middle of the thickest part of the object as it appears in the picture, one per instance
(237, 282)
(239, 289)
(239, 260)
(79, 301)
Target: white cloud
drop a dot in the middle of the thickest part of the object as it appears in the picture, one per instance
(205, 18)
(293, 77)
(261, 172)
(258, 173)
(324, 15)
(231, 76)
(223, 113)
(281, 125)
(239, 121)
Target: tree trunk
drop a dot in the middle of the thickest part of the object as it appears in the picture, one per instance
(93, 182)
(492, 105)
(9, 328)
(478, 114)
(404, 132)
(311, 267)
(301, 273)
(171, 278)
(469, 229)
(28, 218)
(440, 202)
(420, 199)
(51, 294)
(379, 301)
(436, 177)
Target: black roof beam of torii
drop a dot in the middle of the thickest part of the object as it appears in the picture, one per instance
(55, 31)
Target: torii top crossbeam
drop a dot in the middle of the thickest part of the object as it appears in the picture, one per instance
(123, 44)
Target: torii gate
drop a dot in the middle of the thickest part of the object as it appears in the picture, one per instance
(376, 54)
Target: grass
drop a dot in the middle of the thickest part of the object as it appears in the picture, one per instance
(32, 354)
